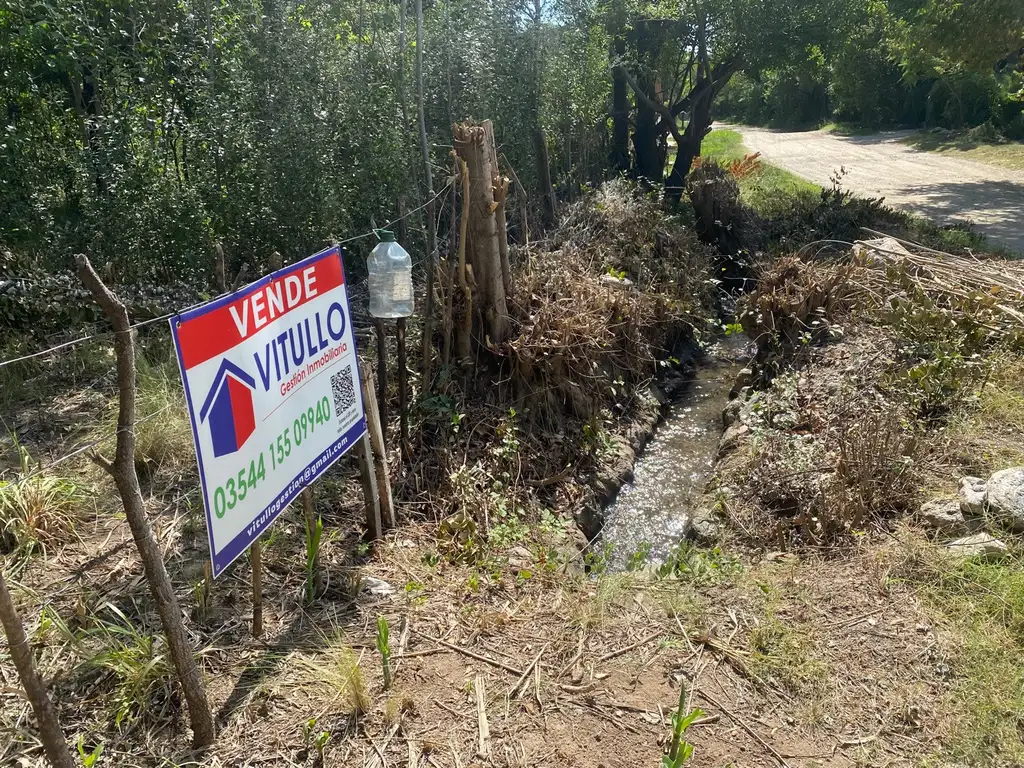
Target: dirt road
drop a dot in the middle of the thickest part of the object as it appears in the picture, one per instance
(943, 188)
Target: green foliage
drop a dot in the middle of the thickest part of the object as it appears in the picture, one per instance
(89, 758)
(136, 662)
(384, 649)
(908, 63)
(944, 345)
(688, 562)
(680, 750)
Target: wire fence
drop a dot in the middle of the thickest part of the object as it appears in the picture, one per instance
(169, 315)
(106, 334)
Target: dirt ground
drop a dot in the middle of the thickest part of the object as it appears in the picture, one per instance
(939, 187)
(794, 661)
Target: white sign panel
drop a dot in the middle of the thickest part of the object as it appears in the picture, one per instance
(272, 387)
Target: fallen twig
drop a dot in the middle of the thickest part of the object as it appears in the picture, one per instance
(743, 724)
(526, 672)
(484, 732)
(471, 654)
(634, 646)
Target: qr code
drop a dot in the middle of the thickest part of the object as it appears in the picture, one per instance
(344, 391)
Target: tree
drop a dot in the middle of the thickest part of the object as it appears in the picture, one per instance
(676, 58)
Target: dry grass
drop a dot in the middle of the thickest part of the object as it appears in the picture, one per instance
(619, 290)
(38, 511)
(336, 671)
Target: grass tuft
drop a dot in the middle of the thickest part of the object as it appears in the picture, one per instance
(163, 435)
(37, 511)
(781, 651)
(337, 668)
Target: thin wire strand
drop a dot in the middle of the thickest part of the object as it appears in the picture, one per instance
(89, 446)
(169, 315)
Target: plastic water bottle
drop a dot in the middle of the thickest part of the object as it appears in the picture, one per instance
(390, 278)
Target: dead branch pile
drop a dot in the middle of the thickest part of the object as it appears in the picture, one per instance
(795, 303)
(990, 291)
(620, 289)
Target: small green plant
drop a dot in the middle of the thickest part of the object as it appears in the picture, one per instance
(384, 648)
(317, 739)
(638, 559)
(699, 566)
(596, 561)
(88, 758)
(313, 535)
(508, 431)
(320, 743)
(137, 663)
(680, 750)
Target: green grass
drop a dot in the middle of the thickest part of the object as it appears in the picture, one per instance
(982, 605)
(981, 146)
(847, 129)
(163, 435)
(764, 187)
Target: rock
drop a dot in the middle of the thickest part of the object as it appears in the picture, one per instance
(731, 412)
(658, 395)
(377, 587)
(743, 381)
(972, 496)
(732, 438)
(705, 527)
(1004, 498)
(750, 411)
(943, 516)
(620, 283)
(979, 545)
(520, 557)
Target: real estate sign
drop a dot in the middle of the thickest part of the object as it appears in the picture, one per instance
(272, 388)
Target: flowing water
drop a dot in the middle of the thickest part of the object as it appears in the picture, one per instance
(655, 509)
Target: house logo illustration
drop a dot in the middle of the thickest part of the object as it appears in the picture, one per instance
(229, 408)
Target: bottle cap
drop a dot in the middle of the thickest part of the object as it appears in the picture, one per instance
(385, 235)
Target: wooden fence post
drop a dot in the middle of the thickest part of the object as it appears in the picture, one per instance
(371, 499)
(256, 558)
(403, 389)
(54, 743)
(122, 470)
(380, 457)
(382, 374)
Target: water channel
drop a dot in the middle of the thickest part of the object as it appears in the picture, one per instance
(655, 509)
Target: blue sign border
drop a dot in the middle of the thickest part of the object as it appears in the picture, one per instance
(234, 548)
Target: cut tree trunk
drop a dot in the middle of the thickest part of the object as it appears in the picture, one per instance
(500, 184)
(483, 246)
(54, 744)
(122, 470)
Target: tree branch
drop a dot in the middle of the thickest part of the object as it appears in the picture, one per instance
(657, 106)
